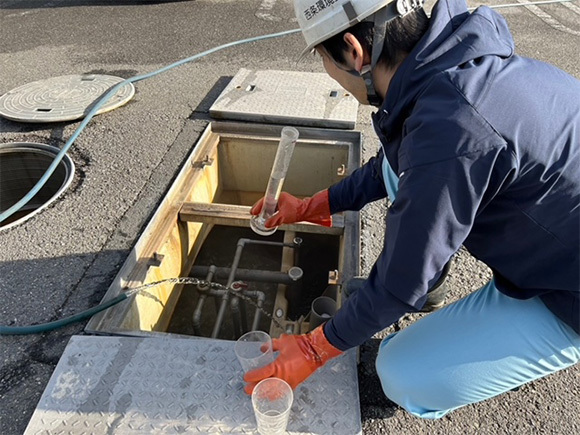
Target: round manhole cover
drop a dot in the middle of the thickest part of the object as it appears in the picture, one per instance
(64, 98)
(22, 164)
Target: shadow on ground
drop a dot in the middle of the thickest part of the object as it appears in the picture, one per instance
(42, 4)
(373, 402)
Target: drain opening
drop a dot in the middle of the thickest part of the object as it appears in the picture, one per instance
(319, 253)
(22, 164)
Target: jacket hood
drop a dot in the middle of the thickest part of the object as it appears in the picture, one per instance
(453, 38)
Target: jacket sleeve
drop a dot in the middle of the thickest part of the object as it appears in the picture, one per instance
(432, 215)
(364, 185)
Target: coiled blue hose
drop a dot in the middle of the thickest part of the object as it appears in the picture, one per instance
(18, 205)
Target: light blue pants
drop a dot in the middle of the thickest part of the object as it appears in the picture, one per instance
(476, 348)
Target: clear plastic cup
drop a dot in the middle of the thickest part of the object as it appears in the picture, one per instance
(254, 350)
(272, 399)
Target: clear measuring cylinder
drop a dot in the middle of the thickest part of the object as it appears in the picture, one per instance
(279, 169)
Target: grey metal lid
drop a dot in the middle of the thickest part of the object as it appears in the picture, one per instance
(131, 385)
(64, 98)
(286, 97)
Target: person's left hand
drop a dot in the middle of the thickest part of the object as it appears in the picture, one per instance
(300, 356)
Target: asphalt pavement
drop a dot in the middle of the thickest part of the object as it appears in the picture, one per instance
(62, 261)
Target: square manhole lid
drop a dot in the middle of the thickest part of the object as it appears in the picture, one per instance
(134, 385)
(286, 97)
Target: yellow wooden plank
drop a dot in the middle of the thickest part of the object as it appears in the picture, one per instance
(239, 216)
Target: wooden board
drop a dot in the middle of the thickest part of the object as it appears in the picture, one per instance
(239, 216)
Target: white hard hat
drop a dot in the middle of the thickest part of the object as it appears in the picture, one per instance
(320, 20)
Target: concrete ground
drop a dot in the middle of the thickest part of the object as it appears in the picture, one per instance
(63, 260)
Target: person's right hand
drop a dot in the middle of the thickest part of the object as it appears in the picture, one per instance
(291, 209)
(300, 356)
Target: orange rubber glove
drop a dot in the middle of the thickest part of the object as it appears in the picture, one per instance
(300, 356)
(291, 209)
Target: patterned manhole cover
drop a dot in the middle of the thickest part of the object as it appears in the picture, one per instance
(63, 98)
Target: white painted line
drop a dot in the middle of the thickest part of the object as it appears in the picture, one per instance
(517, 5)
(548, 19)
(572, 7)
(264, 11)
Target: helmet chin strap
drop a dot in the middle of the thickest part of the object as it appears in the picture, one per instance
(380, 19)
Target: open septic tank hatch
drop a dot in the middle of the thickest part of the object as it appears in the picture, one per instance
(22, 164)
(161, 378)
(202, 226)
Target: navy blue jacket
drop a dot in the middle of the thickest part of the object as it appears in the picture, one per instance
(486, 145)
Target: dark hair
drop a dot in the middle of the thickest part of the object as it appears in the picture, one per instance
(401, 35)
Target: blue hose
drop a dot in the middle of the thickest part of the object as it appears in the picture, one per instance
(45, 327)
(17, 206)
(50, 326)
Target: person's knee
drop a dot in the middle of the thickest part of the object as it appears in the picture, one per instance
(414, 387)
(392, 373)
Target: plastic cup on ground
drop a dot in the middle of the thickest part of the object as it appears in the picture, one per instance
(272, 399)
(254, 350)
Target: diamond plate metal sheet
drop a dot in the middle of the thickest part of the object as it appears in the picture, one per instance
(286, 97)
(64, 98)
(132, 385)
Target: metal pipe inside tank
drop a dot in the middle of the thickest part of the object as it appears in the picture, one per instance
(297, 243)
(235, 301)
(231, 277)
(196, 321)
(243, 317)
(202, 296)
(267, 276)
(260, 299)
(236, 316)
(323, 308)
(233, 305)
(220, 315)
(294, 291)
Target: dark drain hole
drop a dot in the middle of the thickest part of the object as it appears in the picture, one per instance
(20, 169)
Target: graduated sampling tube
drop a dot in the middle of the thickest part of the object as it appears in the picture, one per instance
(279, 170)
